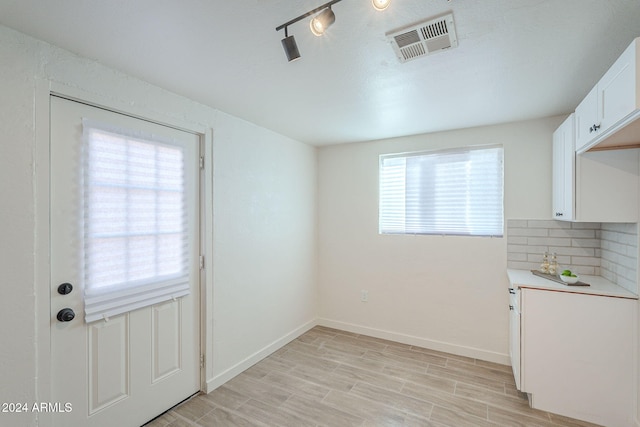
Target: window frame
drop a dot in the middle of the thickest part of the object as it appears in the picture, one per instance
(385, 228)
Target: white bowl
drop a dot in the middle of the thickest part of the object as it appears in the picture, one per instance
(569, 279)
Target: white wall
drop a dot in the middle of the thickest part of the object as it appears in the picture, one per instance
(447, 293)
(264, 190)
(265, 244)
(17, 305)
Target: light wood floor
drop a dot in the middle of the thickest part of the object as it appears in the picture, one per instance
(333, 378)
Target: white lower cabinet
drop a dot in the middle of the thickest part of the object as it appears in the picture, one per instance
(576, 355)
(514, 333)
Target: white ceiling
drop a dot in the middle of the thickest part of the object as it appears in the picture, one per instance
(517, 59)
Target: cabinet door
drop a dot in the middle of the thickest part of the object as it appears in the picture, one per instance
(514, 333)
(578, 355)
(564, 171)
(587, 119)
(617, 89)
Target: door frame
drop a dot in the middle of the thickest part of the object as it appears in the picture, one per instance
(43, 91)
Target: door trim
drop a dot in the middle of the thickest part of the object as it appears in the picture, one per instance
(44, 89)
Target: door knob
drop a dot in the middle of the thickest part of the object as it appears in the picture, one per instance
(66, 315)
(65, 288)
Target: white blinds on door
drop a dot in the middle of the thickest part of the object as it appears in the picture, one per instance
(135, 220)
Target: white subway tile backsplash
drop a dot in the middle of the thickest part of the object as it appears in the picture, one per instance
(518, 223)
(527, 249)
(586, 225)
(577, 260)
(529, 232)
(516, 240)
(549, 241)
(580, 234)
(586, 243)
(589, 271)
(607, 274)
(517, 256)
(619, 254)
(626, 228)
(533, 257)
(627, 283)
(522, 265)
(573, 251)
(517, 248)
(563, 261)
(628, 262)
(534, 223)
(606, 249)
(623, 238)
(614, 247)
(611, 258)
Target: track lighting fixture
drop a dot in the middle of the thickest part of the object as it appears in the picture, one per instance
(318, 24)
(322, 21)
(380, 4)
(290, 46)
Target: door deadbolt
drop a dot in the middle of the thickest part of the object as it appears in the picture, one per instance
(66, 315)
(65, 288)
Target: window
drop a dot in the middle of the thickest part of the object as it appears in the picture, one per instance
(452, 192)
(135, 235)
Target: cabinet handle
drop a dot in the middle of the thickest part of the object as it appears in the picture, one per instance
(594, 128)
(511, 308)
(512, 291)
(559, 214)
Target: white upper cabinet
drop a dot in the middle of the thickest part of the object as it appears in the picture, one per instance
(593, 180)
(596, 186)
(564, 171)
(608, 115)
(587, 117)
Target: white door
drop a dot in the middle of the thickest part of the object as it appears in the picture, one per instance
(122, 369)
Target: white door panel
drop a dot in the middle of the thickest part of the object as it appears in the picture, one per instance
(129, 368)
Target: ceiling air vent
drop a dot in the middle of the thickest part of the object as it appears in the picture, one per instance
(424, 38)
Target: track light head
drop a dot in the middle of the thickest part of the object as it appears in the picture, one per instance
(290, 48)
(380, 4)
(322, 21)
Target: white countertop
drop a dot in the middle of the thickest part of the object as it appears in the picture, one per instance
(599, 285)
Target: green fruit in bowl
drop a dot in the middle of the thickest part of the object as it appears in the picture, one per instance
(568, 273)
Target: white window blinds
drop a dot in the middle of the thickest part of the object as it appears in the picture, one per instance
(458, 192)
(135, 220)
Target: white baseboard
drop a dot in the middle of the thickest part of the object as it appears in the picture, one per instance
(245, 364)
(420, 342)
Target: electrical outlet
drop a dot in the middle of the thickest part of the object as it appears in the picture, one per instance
(364, 295)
